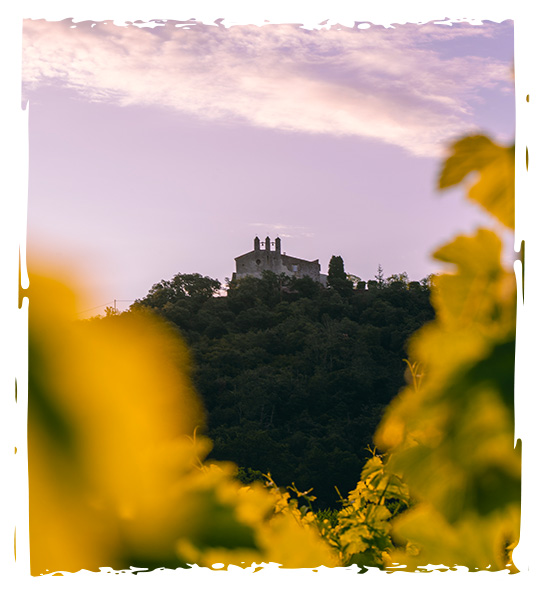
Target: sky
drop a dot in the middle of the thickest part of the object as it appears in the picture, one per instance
(166, 148)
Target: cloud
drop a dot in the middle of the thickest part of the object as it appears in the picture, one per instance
(291, 231)
(390, 85)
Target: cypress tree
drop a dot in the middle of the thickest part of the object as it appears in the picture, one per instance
(337, 277)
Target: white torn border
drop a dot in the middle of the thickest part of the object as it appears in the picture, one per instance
(13, 199)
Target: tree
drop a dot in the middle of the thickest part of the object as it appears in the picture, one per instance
(398, 281)
(337, 277)
(181, 286)
(379, 277)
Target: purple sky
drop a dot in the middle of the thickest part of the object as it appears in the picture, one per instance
(162, 150)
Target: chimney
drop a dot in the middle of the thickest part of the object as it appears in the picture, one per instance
(278, 245)
(257, 243)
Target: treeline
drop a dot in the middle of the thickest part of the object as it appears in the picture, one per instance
(295, 376)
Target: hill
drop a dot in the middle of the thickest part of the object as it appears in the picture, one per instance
(295, 376)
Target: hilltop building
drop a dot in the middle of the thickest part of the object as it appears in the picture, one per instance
(263, 257)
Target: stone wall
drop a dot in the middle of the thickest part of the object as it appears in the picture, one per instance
(254, 263)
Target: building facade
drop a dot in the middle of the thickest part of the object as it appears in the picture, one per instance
(263, 257)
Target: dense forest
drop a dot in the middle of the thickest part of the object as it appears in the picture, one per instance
(295, 376)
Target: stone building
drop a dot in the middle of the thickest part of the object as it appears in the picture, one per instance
(263, 257)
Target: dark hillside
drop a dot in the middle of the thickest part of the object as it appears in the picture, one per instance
(295, 376)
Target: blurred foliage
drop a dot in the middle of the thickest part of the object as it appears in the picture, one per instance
(450, 433)
(117, 477)
(494, 166)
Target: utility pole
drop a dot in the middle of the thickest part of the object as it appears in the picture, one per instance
(121, 301)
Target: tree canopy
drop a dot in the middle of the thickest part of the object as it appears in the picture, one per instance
(295, 376)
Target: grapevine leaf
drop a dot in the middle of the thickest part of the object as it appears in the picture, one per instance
(451, 438)
(496, 371)
(494, 190)
(473, 542)
(477, 254)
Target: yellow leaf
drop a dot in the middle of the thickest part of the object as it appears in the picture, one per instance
(473, 255)
(473, 542)
(288, 542)
(494, 190)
